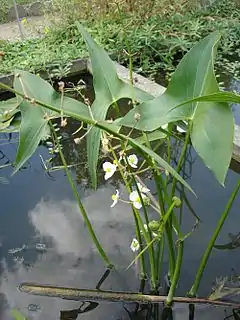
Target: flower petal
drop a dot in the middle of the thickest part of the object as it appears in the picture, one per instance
(133, 160)
(107, 175)
(115, 198)
(133, 165)
(133, 196)
(106, 165)
(137, 205)
(114, 203)
(142, 188)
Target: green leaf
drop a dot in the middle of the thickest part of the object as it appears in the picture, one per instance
(34, 118)
(212, 137)
(225, 96)
(213, 124)
(108, 90)
(5, 125)
(34, 124)
(8, 108)
(32, 129)
(193, 77)
(14, 125)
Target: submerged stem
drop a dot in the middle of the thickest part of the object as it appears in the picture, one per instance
(204, 260)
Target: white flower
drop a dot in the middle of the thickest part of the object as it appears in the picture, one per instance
(109, 169)
(134, 245)
(136, 200)
(133, 160)
(115, 198)
(142, 189)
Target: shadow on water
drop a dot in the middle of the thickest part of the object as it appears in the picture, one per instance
(44, 240)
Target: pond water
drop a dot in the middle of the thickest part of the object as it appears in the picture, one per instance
(39, 208)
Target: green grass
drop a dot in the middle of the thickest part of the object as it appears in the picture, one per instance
(7, 4)
(156, 43)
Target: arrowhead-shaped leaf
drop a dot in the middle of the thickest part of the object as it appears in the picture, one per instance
(212, 137)
(108, 90)
(212, 130)
(34, 124)
(8, 108)
(32, 129)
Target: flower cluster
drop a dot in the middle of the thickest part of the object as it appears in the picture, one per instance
(137, 197)
(110, 168)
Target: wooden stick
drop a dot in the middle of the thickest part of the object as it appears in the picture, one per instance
(84, 294)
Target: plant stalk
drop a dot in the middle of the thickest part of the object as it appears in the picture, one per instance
(76, 294)
(204, 260)
(182, 157)
(80, 205)
(176, 275)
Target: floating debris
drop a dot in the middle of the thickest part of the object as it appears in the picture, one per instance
(16, 250)
(33, 307)
(41, 247)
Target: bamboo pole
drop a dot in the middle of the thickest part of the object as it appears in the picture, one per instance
(18, 20)
(84, 294)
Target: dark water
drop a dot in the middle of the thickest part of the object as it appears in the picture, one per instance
(39, 208)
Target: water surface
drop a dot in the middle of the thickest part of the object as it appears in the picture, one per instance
(39, 208)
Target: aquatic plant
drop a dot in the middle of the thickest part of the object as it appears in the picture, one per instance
(192, 100)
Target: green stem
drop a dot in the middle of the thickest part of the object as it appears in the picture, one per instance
(159, 258)
(176, 275)
(150, 251)
(143, 273)
(182, 157)
(80, 205)
(148, 238)
(204, 260)
(159, 182)
(169, 233)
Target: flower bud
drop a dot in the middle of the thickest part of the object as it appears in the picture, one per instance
(177, 201)
(154, 225)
